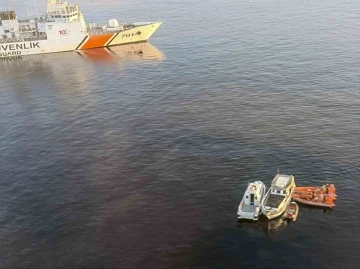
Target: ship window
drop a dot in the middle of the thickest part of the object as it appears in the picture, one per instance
(252, 199)
(247, 197)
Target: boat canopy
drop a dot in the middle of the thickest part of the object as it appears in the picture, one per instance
(281, 182)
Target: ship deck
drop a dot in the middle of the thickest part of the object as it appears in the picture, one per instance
(281, 182)
(13, 40)
(274, 200)
(98, 30)
(248, 208)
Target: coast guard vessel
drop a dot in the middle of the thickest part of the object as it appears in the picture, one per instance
(63, 28)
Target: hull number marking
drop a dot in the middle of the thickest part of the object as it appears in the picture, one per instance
(129, 35)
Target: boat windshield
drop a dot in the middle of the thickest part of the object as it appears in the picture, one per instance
(274, 200)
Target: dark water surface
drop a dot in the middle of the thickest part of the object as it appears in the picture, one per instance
(139, 160)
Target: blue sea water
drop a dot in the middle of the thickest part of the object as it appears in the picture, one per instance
(140, 157)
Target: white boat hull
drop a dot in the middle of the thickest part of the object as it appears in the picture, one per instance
(278, 197)
(72, 41)
(273, 215)
(276, 212)
(252, 211)
(291, 213)
(253, 215)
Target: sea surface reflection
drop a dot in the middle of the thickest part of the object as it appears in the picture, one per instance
(117, 55)
(137, 156)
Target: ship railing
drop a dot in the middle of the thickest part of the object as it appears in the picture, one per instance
(11, 40)
(22, 39)
(102, 32)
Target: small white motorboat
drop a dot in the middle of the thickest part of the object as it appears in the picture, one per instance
(278, 197)
(250, 206)
(291, 212)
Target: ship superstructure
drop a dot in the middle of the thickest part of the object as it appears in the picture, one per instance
(63, 28)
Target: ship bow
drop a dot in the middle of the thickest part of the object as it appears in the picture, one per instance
(141, 33)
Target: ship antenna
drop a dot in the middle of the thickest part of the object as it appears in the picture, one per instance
(27, 8)
(7, 7)
(8, 14)
(36, 8)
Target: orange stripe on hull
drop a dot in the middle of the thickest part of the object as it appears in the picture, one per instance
(97, 41)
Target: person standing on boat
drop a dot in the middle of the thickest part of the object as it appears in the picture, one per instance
(327, 188)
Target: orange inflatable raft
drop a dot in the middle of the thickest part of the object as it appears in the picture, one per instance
(323, 196)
